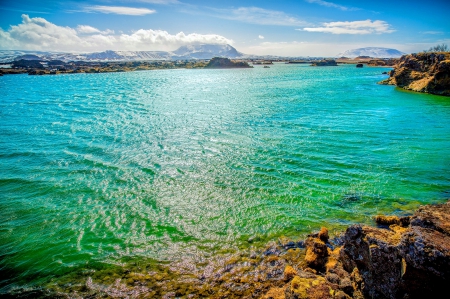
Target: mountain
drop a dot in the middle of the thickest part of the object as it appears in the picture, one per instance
(207, 51)
(375, 52)
(199, 51)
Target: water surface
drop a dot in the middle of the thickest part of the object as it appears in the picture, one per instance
(188, 164)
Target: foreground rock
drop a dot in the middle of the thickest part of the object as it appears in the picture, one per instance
(410, 258)
(410, 261)
(422, 72)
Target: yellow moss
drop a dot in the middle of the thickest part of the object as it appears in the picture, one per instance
(315, 282)
(331, 292)
(289, 273)
(299, 286)
(421, 84)
(275, 293)
(403, 269)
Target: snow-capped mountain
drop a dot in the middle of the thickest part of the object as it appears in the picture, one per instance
(200, 51)
(206, 51)
(375, 52)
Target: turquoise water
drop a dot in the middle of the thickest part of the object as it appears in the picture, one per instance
(186, 164)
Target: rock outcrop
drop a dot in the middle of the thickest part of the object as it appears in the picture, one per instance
(422, 72)
(410, 258)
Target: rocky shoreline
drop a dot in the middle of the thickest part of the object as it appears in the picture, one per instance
(407, 257)
(422, 72)
(403, 257)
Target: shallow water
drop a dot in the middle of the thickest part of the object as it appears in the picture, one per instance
(177, 165)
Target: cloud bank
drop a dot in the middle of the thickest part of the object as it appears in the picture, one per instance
(119, 10)
(355, 27)
(259, 16)
(40, 34)
(331, 4)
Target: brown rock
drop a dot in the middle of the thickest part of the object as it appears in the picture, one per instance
(388, 220)
(436, 217)
(317, 253)
(323, 234)
(422, 72)
(375, 254)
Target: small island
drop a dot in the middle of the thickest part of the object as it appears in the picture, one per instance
(225, 63)
(324, 62)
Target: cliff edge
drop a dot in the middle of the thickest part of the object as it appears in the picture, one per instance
(422, 72)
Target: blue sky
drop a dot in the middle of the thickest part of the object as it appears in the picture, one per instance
(294, 28)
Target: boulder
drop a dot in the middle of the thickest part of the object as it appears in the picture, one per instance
(317, 251)
(401, 261)
(374, 253)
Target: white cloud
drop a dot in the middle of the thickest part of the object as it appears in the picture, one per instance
(163, 2)
(120, 10)
(260, 16)
(355, 27)
(432, 32)
(260, 37)
(331, 4)
(39, 34)
(86, 29)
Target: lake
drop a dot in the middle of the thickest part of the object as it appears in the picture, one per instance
(186, 165)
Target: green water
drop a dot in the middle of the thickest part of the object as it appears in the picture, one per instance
(186, 164)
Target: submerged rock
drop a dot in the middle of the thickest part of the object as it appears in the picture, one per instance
(388, 220)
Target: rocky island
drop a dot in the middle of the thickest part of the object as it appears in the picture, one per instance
(225, 63)
(324, 62)
(423, 72)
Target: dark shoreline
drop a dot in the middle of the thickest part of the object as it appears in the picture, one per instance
(406, 257)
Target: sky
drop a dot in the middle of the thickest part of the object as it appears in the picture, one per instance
(263, 27)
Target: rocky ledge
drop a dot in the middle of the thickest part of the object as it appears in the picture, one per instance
(422, 72)
(403, 257)
(406, 257)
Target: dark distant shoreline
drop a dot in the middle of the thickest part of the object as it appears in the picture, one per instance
(56, 67)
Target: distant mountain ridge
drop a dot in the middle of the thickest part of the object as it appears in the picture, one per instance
(375, 52)
(198, 51)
